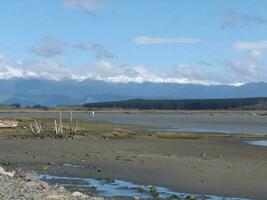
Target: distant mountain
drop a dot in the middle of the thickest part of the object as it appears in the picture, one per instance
(70, 92)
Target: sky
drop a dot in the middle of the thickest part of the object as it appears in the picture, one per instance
(181, 41)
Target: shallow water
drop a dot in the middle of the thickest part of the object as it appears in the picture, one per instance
(120, 188)
(258, 143)
(223, 123)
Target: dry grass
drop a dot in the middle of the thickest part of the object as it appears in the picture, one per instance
(118, 133)
(84, 128)
(173, 135)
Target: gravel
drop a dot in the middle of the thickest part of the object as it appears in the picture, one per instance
(26, 186)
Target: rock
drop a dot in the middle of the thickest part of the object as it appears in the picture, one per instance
(55, 197)
(203, 155)
(19, 174)
(136, 198)
(97, 198)
(21, 186)
(31, 184)
(44, 185)
(93, 186)
(190, 197)
(9, 174)
(79, 194)
(61, 189)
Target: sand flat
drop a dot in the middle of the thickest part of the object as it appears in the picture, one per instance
(217, 166)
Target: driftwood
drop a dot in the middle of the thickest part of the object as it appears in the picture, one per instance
(38, 129)
(8, 124)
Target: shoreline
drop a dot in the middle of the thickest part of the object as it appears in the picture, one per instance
(223, 167)
(136, 111)
(204, 164)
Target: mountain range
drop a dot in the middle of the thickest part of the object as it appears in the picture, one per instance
(70, 92)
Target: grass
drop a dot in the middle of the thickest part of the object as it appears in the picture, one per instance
(118, 133)
(173, 135)
(189, 135)
(106, 130)
(84, 128)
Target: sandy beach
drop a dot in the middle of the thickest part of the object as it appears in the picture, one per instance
(218, 166)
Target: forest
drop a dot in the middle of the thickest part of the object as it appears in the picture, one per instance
(185, 104)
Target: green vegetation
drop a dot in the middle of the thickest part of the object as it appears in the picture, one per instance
(186, 104)
(84, 128)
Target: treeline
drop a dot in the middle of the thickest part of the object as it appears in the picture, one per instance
(187, 104)
(18, 106)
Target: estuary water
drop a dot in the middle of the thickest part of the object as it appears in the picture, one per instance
(216, 123)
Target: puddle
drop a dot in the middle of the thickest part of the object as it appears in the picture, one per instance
(77, 166)
(120, 188)
(258, 143)
(194, 130)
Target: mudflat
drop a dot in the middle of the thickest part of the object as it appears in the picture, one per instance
(217, 165)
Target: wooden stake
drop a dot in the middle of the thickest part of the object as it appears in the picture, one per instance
(56, 127)
(37, 126)
(71, 129)
(61, 125)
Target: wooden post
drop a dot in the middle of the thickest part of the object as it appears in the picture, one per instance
(37, 126)
(71, 129)
(60, 124)
(56, 127)
(32, 129)
(75, 128)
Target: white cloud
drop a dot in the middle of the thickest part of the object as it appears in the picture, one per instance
(165, 40)
(110, 72)
(99, 70)
(247, 45)
(250, 68)
(89, 6)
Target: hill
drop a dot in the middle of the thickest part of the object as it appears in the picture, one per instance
(70, 92)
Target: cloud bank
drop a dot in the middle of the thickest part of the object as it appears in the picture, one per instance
(107, 71)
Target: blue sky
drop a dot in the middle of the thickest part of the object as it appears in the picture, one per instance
(183, 41)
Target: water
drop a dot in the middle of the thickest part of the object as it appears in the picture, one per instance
(258, 143)
(121, 188)
(223, 123)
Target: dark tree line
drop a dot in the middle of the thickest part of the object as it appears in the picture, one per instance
(187, 104)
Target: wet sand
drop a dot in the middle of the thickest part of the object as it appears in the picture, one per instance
(217, 166)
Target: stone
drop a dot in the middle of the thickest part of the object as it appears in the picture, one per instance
(19, 174)
(61, 189)
(79, 194)
(55, 197)
(203, 155)
(97, 198)
(9, 174)
(44, 185)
